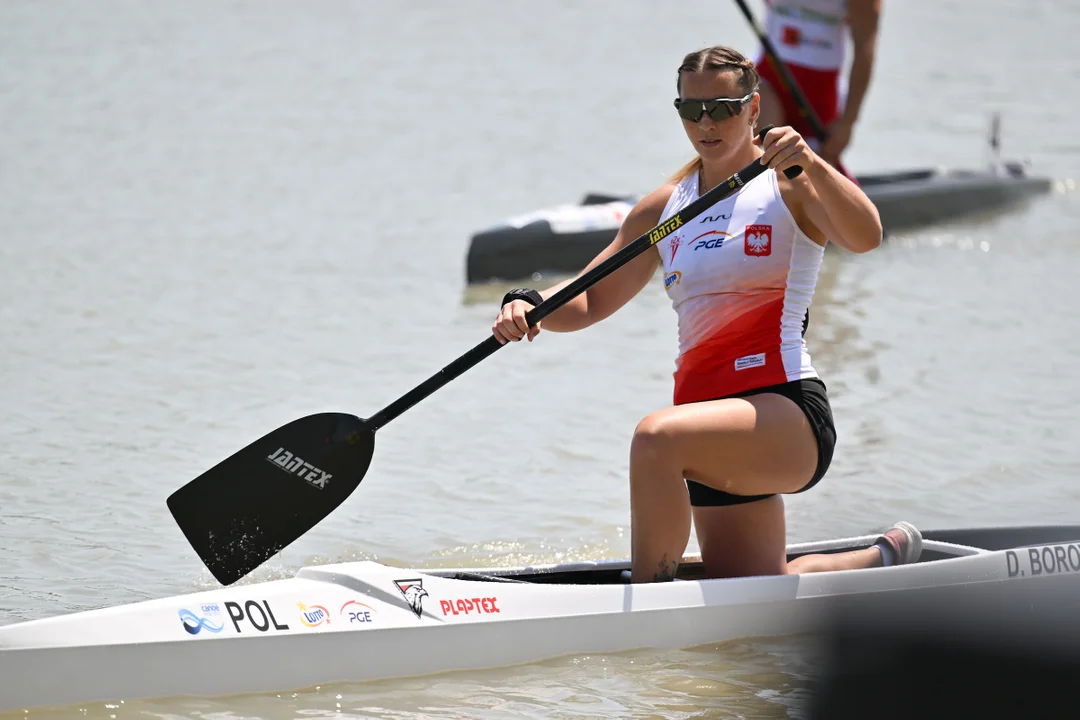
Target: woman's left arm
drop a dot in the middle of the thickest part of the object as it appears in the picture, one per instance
(836, 207)
(834, 201)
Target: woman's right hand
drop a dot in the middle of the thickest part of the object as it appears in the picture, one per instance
(510, 325)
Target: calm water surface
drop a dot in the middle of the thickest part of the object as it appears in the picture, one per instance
(218, 217)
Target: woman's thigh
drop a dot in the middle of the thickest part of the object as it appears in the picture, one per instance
(744, 446)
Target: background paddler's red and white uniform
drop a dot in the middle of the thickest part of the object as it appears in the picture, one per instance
(810, 37)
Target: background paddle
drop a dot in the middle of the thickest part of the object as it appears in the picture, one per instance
(245, 509)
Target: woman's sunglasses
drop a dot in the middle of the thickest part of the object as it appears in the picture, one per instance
(718, 108)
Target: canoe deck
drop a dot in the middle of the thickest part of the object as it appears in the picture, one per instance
(940, 545)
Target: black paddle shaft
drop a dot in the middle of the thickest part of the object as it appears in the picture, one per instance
(805, 109)
(578, 286)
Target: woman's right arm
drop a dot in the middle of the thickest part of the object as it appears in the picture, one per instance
(606, 296)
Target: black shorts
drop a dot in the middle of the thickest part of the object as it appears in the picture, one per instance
(810, 396)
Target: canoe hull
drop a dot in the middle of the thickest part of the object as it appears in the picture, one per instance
(364, 621)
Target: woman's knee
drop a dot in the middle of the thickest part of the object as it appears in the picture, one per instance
(673, 437)
(654, 438)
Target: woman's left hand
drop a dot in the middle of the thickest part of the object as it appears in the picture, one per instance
(784, 148)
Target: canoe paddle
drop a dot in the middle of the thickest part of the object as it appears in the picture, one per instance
(248, 507)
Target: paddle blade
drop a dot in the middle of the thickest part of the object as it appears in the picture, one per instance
(248, 507)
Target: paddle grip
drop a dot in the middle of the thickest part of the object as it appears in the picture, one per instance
(790, 173)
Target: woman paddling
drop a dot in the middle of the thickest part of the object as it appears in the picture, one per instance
(750, 420)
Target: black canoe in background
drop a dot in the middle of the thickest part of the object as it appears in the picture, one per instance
(563, 239)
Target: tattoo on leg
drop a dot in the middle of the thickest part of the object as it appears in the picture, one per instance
(665, 571)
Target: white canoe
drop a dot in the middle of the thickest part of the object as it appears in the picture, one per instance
(363, 620)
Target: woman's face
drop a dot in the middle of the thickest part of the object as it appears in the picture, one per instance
(717, 139)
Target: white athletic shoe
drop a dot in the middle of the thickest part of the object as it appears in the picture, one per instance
(906, 542)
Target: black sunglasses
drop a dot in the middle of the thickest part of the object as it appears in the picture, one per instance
(718, 108)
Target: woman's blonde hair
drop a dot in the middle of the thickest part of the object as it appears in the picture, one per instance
(718, 57)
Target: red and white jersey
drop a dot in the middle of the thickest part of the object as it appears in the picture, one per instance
(809, 33)
(740, 277)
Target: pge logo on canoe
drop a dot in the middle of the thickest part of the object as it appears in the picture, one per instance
(357, 612)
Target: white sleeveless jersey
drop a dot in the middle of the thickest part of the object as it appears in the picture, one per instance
(809, 33)
(740, 277)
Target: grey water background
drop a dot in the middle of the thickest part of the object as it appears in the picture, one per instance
(218, 217)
